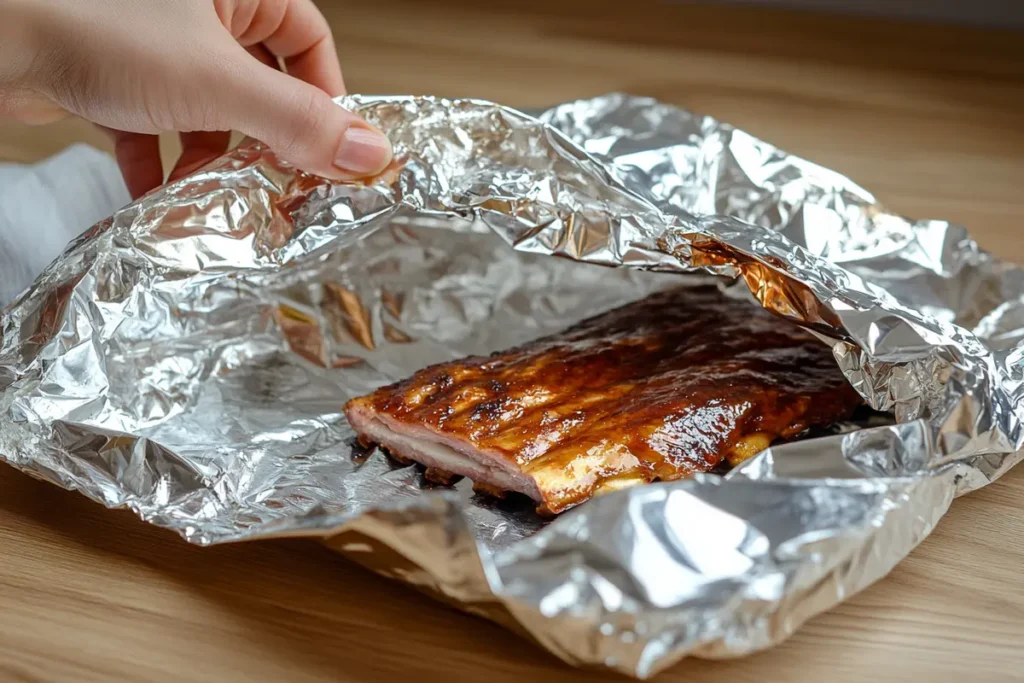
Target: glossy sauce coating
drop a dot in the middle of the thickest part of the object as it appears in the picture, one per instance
(658, 389)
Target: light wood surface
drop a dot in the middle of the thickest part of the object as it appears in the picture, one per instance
(929, 118)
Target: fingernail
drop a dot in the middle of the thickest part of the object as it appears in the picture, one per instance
(363, 150)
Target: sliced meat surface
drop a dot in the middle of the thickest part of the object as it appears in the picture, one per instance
(683, 381)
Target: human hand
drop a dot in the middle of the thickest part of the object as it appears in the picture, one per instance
(200, 67)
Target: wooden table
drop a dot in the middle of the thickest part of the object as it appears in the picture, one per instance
(929, 118)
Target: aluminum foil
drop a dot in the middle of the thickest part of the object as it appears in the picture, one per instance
(188, 359)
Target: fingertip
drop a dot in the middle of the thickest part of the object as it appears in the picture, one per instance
(363, 151)
(304, 126)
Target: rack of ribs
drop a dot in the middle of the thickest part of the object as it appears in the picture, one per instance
(684, 381)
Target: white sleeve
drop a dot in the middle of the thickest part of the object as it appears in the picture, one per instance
(46, 205)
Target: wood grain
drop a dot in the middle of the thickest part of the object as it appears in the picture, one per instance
(929, 117)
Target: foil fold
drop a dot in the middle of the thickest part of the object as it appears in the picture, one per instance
(188, 359)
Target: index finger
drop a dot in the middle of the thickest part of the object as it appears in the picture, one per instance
(297, 32)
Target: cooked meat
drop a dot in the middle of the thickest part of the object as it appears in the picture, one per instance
(659, 389)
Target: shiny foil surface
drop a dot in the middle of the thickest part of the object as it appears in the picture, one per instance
(189, 357)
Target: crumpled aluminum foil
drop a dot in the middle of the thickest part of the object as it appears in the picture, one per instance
(188, 359)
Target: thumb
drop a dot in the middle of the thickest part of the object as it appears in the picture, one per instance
(300, 123)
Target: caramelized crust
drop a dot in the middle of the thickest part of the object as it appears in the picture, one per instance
(655, 390)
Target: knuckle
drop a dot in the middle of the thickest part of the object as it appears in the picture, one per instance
(68, 82)
(308, 122)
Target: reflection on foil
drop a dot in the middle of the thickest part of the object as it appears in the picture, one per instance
(188, 358)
